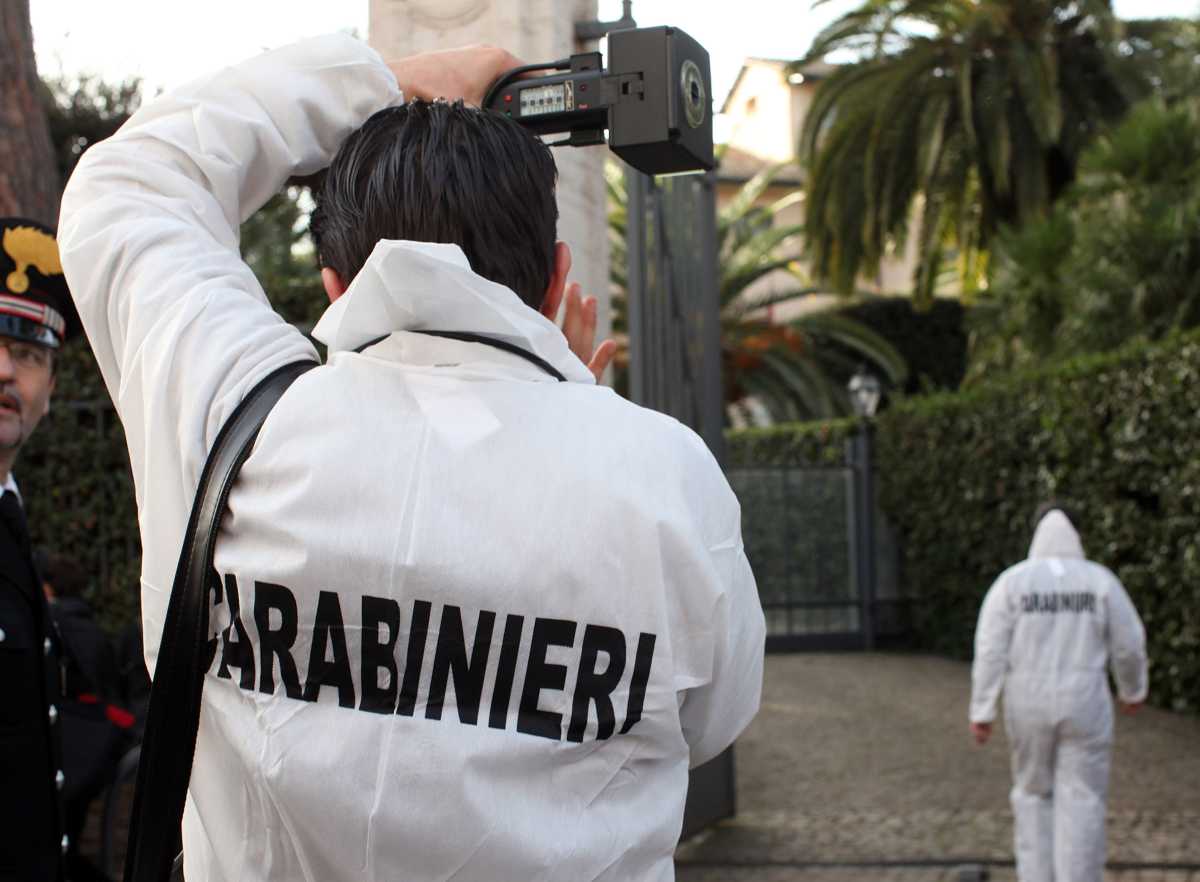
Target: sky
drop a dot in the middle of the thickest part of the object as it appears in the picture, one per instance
(192, 38)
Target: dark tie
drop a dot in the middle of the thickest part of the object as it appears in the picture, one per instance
(13, 515)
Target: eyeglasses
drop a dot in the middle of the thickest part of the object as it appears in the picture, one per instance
(27, 356)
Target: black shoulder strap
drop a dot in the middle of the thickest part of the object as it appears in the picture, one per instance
(183, 654)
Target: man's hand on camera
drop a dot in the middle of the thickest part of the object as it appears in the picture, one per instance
(464, 73)
(579, 327)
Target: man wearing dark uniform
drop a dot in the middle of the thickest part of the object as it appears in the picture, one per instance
(35, 307)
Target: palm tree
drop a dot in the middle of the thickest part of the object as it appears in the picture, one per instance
(775, 372)
(960, 116)
(1117, 259)
(29, 186)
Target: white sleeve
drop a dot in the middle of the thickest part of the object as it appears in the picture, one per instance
(713, 713)
(1126, 645)
(993, 634)
(148, 234)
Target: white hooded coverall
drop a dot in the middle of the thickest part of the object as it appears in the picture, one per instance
(469, 622)
(1047, 631)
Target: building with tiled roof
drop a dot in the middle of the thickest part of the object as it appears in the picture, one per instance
(764, 114)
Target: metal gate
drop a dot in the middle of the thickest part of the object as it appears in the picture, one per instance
(822, 553)
(675, 360)
(798, 530)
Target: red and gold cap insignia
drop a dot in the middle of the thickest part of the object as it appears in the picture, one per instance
(35, 303)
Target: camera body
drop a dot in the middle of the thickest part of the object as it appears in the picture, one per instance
(655, 100)
(670, 128)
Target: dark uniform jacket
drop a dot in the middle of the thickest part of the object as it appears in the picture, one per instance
(31, 837)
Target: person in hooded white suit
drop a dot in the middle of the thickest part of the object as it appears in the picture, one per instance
(1049, 629)
(476, 615)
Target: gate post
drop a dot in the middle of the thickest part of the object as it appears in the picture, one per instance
(673, 312)
(859, 450)
(636, 187)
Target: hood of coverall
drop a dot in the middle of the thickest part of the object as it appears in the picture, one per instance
(426, 286)
(1055, 536)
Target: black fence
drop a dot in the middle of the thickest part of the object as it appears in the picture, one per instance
(825, 564)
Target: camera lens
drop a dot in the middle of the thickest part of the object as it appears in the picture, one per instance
(694, 95)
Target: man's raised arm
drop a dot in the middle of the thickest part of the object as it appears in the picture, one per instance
(149, 237)
(149, 227)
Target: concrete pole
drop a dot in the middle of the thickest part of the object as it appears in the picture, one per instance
(534, 30)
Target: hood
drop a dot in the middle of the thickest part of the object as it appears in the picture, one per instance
(1055, 536)
(426, 286)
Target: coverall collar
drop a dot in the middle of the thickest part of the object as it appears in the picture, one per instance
(416, 286)
(1055, 537)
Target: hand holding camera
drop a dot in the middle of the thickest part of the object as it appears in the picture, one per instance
(451, 74)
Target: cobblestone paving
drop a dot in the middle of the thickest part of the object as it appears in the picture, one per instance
(864, 758)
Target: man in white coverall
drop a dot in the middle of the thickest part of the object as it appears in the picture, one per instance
(473, 621)
(1048, 629)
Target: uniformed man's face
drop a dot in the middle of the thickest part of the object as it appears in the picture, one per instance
(26, 382)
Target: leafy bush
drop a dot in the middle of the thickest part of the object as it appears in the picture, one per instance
(78, 491)
(961, 475)
(1118, 259)
(932, 341)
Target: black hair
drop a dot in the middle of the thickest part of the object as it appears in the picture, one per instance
(1050, 505)
(66, 578)
(442, 172)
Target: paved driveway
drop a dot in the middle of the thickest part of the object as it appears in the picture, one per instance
(859, 766)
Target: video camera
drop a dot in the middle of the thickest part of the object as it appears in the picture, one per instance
(655, 100)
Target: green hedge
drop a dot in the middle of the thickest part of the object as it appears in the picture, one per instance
(933, 341)
(784, 445)
(75, 479)
(961, 474)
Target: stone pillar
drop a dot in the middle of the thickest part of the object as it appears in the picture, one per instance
(534, 30)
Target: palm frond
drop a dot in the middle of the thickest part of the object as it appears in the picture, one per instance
(860, 339)
(744, 306)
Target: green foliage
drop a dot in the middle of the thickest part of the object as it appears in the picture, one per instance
(78, 491)
(961, 475)
(83, 111)
(794, 369)
(958, 117)
(787, 445)
(1162, 53)
(932, 341)
(276, 245)
(1118, 258)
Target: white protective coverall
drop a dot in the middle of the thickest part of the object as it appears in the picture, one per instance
(472, 622)
(1047, 630)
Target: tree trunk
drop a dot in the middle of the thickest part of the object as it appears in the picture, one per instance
(29, 185)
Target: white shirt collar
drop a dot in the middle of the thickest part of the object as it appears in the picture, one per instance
(10, 483)
(414, 286)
